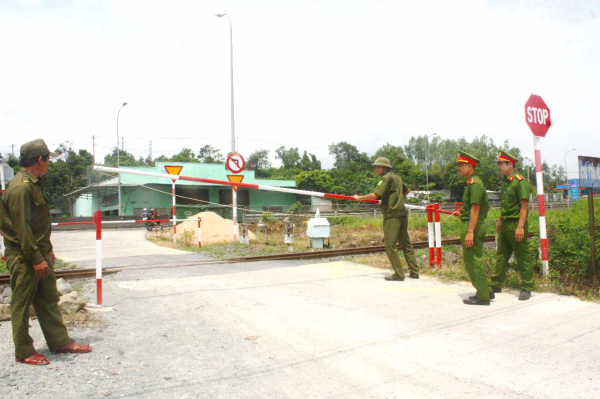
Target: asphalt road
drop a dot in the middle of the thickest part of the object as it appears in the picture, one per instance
(298, 329)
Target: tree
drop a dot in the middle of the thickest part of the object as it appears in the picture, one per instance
(185, 155)
(11, 160)
(209, 154)
(125, 158)
(65, 175)
(258, 160)
(315, 180)
(290, 158)
(348, 157)
(310, 163)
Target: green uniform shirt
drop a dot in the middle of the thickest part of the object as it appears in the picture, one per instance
(474, 194)
(25, 218)
(511, 194)
(391, 190)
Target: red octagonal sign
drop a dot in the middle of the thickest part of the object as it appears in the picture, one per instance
(537, 115)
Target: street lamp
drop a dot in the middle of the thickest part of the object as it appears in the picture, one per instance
(426, 161)
(231, 66)
(120, 212)
(566, 173)
(233, 192)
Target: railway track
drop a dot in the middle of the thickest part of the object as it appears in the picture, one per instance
(78, 273)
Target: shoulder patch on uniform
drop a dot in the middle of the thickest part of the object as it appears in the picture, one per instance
(471, 181)
(380, 181)
(511, 178)
(519, 177)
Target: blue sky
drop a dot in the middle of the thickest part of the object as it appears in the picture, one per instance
(306, 73)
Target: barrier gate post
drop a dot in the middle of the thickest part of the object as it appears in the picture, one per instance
(98, 222)
(438, 234)
(430, 235)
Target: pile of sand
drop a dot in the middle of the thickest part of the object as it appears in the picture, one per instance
(214, 228)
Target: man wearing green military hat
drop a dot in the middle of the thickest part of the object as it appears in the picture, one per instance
(472, 215)
(392, 191)
(26, 226)
(512, 227)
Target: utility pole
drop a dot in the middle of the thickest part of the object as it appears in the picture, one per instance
(122, 143)
(150, 154)
(13, 150)
(94, 149)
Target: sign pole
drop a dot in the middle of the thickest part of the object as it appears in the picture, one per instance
(592, 270)
(174, 213)
(537, 116)
(541, 204)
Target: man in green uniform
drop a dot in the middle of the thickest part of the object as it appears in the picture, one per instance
(392, 191)
(512, 227)
(26, 225)
(472, 215)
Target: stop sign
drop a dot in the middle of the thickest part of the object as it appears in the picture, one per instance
(537, 115)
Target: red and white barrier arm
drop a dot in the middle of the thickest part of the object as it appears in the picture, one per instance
(227, 183)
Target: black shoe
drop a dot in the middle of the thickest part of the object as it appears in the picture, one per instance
(414, 275)
(524, 295)
(497, 289)
(394, 277)
(475, 301)
(492, 296)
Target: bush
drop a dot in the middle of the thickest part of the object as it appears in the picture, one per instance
(569, 249)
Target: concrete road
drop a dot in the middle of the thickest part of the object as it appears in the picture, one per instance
(328, 329)
(120, 248)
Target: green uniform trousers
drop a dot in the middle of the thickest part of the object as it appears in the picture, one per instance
(507, 244)
(395, 229)
(28, 289)
(472, 257)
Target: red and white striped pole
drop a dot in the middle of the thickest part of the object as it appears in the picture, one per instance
(174, 213)
(98, 222)
(430, 236)
(438, 235)
(541, 204)
(199, 234)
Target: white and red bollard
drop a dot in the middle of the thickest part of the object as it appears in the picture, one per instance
(98, 223)
(434, 229)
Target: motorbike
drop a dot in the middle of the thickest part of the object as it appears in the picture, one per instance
(149, 222)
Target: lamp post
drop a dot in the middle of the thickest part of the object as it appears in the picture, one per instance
(426, 161)
(233, 192)
(120, 212)
(566, 173)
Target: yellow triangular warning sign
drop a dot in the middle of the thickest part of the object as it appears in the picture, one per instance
(173, 169)
(235, 179)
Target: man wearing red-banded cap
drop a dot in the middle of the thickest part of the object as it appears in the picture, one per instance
(472, 215)
(512, 227)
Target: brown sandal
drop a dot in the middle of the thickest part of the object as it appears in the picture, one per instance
(68, 348)
(37, 359)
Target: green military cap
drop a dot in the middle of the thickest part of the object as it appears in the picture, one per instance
(504, 156)
(36, 148)
(382, 161)
(465, 157)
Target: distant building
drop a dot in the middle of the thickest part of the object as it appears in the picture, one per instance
(139, 192)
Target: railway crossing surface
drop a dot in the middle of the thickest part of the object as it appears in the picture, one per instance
(299, 329)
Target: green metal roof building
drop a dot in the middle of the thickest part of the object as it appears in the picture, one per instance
(139, 192)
